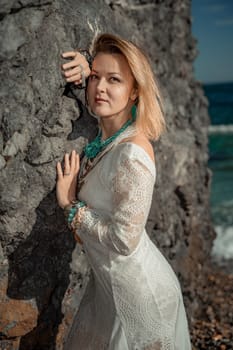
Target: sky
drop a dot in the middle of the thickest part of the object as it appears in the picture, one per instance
(212, 26)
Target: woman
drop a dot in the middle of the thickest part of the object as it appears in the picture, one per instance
(133, 299)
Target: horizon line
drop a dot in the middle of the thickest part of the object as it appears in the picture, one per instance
(216, 82)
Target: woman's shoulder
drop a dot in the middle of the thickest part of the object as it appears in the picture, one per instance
(141, 142)
(134, 152)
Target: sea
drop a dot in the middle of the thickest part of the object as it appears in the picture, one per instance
(220, 98)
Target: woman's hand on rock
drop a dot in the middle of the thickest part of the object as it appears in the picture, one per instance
(72, 70)
(67, 179)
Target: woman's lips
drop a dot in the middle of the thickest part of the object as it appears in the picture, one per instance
(100, 100)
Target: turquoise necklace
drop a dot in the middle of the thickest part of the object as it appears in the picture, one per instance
(97, 145)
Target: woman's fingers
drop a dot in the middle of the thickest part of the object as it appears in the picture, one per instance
(68, 54)
(59, 171)
(78, 58)
(67, 164)
(71, 165)
(70, 64)
(75, 73)
(77, 163)
(74, 78)
(73, 70)
(70, 72)
(73, 161)
(67, 179)
(78, 82)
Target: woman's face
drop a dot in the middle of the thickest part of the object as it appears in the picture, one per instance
(111, 90)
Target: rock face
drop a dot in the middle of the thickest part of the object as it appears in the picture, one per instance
(42, 274)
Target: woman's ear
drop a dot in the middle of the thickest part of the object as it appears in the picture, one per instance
(134, 94)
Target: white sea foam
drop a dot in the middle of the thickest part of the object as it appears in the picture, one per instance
(223, 244)
(222, 211)
(220, 129)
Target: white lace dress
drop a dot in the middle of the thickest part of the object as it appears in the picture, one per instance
(133, 299)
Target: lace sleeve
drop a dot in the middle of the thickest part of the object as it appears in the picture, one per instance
(132, 186)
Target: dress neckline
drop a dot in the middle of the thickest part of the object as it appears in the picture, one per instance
(87, 164)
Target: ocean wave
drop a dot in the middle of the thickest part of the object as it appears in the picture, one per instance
(226, 204)
(221, 129)
(222, 212)
(223, 243)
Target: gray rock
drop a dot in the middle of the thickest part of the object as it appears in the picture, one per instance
(5, 6)
(14, 32)
(1, 254)
(18, 142)
(42, 117)
(2, 162)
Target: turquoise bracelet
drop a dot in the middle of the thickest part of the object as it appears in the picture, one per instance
(72, 209)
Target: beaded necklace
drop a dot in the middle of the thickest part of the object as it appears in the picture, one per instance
(97, 145)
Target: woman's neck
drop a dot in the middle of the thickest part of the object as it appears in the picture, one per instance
(109, 126)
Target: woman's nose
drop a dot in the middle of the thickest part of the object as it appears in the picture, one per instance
(101, 86)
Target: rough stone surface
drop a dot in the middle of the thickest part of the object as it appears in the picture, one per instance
(18, 317)
(42, 274)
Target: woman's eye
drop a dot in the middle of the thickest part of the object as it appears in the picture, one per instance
(93, 76)
(114, 79)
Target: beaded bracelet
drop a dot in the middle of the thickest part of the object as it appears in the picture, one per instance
(71, 210)
(76, 222)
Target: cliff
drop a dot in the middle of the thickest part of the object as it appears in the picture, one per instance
(42, 273)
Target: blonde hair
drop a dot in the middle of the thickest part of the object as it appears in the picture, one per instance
(150, 118)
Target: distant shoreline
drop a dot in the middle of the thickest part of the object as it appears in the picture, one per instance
(217, 83)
